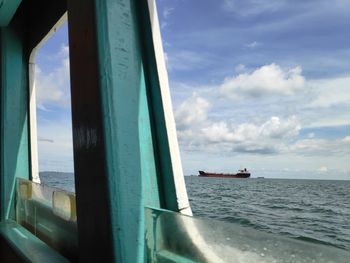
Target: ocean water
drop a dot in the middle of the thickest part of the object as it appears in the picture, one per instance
(64, 181)
(313, 210)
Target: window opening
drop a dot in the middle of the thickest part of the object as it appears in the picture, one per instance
(265, 87)
(46, 206)
(51, 129)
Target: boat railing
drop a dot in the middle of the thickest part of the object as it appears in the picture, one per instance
(172, 237)
(49, 214)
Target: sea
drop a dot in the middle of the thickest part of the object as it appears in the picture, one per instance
(317, 211)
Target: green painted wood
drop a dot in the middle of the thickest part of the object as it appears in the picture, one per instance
(118, 151)
(161, 144)
(24, 246)
(31, 22)
(7, 10)
(14, 113)
(122, 159)
(131, 161)
(17, 41)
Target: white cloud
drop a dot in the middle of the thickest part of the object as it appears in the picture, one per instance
(256, 123)
(219, 132)
(277, 128)
(346, 139)
(267, 80)
(330, 92)
(166, 59)
(253, 136)
(274, 128)
(267, 137)
(311, 135)
(252, 7)
(47, 90)
(192, 111)
(274, 136)
(163, 25)
(322, 169)
(55, 145)
(64, 52)
(167, 12)
(336, 119)
(319, 147)
(55, 148)
(186, 60)
(240, 68)
(53, 87)
(328, 103)
(252, 45)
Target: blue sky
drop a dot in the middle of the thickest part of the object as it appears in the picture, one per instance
(53, 104)
(257, 84)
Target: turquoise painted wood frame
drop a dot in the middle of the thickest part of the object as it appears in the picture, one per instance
(124, 158)
(125, 148)
(17, 40)
(7, 10)
(18, 36)
(14, 113)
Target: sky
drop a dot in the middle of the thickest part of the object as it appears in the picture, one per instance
(258, 84)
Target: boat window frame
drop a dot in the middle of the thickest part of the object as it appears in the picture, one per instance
(33, 131)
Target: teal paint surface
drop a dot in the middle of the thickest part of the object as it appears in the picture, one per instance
(14, 115)
(131, 161)
(162, 149)
(7, 10)
(28, 248)
(122, 158)
(150, 185)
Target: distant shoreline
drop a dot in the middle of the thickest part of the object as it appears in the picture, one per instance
(275, 178)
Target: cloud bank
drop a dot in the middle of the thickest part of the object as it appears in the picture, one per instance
(267, 80)
(203, 125)
(52, 88)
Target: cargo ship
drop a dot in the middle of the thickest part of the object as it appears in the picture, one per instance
(244, 173)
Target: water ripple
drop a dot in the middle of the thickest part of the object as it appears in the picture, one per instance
(312, 210)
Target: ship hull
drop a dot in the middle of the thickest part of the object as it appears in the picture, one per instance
(221, 175)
